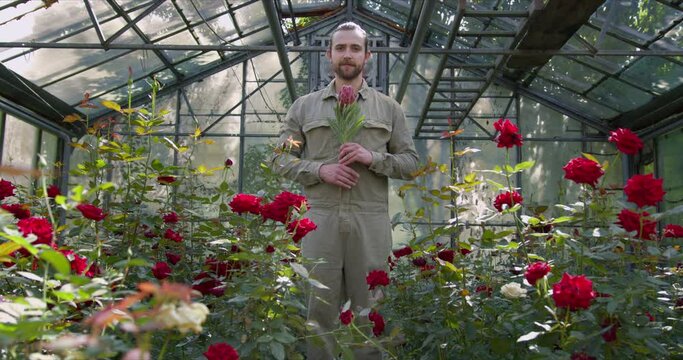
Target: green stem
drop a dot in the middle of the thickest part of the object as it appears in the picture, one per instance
(163, 348)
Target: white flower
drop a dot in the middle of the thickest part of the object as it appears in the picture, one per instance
(184, 316)
(513, 291)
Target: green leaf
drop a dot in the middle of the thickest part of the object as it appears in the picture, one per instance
(157, 165)
(277, 350)
(57, 260)
(498, 186)
(77, 193)
(590, 157)
(524, 165)
(530, 336)
(111, 105)
(30, 275)
(562, 219)
(21, 241)
(300, 270)
(283, 337)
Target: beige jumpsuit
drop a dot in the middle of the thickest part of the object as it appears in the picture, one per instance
(354, 233)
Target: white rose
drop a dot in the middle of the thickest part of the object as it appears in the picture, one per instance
(513, 291)
(184, 317)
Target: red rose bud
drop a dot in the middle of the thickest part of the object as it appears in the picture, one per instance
(300, 228)
(6, 189)
(536, 271)
(581, 356)
(347, 95)
(644, 190)
(446, 255)
(420, 262)
(228, 163)
(173, 236)
(631, 221)
(346, 316)
(507, 200)
(161, 270)
(170, 218)
(649, 316)
(270, 249)
(626, 141)
(573, 292)
(53, 191)
(583, 171)
(508, 134)
(207, 285)
(166, 180)
(610, 327)
(404, 251)
(464, 251)
(378, 322)
(221, 351)
(91, 212)
(377, 278)
(20, 211)
(245, 203)
(673, 231)
(485, 289)
(173, 258)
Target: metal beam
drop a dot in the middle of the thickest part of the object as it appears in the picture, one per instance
(442, 65)
(382, 49)
(130, 23)
(95, 22)
(278, 38)
(418, 39)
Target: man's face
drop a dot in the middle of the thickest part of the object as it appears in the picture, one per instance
(348, 54)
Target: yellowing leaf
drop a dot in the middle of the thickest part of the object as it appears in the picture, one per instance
(209, 142)
(72, 118)
(111, 105)
(201, 169)
(590, 157)
(128, 111)
(197, 132)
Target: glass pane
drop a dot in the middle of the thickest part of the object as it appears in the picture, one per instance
(570, 74)
(655, 73)
(619, 95)
(48, 148)
(641, 19)
(572, 99)
(160, 21)
(19, 148)
(671, 170)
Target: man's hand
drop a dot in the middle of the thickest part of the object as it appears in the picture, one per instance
(350, 153)
(338, 174)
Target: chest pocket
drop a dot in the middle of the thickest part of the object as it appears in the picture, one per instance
(320, 142)
(375, 135)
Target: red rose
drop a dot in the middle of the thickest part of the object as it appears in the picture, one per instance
(583, 171)
(581, 356)
(536, 271)
(378, 322)
(673, 231)
(91, 212)
(242, 203)
(404, 251)
(53, 191)
(166, 180)
(464, 251)
(170, 218)
(446, 255)
(347, 95)
(631, 221)
(573, 292)
(644, 190)
(420, 262)
(222, 268)
(346, 316)
(626, 140)
(173, 258)
(279, 208)
(485, 289)
(610, 327)
(270, 249)
(6, 189)
(20, 211)
(300, 228)
(508, 134)
(221, 351)
(208, 285)
(38, 226)
(377, 278)
(173, 236)
(161, 270)
(228, 163)
(507, 198)
(649, 316)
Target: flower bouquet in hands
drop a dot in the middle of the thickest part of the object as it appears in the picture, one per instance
(348, 119)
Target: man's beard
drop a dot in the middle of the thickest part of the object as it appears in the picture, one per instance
(348, 74)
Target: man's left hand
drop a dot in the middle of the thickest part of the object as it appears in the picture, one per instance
(350, 153)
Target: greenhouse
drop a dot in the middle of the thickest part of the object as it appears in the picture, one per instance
(341, 179)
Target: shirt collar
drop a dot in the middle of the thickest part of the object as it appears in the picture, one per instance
(329, 91)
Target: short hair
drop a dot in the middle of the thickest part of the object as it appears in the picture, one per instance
(350, 26)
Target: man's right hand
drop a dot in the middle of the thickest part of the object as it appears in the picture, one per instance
(338, 174)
